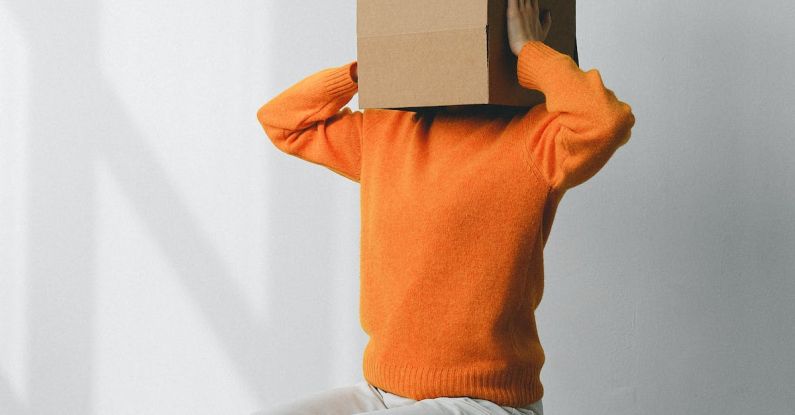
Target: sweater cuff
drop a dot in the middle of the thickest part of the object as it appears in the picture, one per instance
(534, 66)
(339, 81)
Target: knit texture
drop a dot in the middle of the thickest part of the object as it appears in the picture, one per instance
(455, 211)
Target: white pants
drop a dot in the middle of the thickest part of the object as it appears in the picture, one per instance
(364, 398)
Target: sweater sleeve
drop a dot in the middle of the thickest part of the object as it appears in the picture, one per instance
(588, 122)
(307, 120)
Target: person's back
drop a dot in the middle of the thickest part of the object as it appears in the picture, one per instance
(456, 207)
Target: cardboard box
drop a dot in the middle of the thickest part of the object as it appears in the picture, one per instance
(425, 53)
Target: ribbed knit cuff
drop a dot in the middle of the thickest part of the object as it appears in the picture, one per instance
(536, 63)
(339, 81)
(512, 386)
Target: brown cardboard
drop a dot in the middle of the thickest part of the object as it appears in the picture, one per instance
(425, 53)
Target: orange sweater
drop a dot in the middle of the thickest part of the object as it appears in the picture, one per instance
(455, 212)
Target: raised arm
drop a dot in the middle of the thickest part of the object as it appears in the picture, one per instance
(307, 120)
(586, 123)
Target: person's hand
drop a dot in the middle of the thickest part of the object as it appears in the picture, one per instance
(524, 23)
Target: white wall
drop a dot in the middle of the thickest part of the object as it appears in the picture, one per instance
(159, 255)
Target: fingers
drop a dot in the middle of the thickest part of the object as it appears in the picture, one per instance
(513, 7)
(524, 6)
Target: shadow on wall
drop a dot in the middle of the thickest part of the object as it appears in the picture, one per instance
(80, 121)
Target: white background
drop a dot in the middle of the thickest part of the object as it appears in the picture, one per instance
(159, 256)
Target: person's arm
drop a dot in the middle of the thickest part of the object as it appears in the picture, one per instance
(307, 120)
(589, 123)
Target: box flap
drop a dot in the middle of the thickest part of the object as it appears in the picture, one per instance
(436, 68)
(391, 17)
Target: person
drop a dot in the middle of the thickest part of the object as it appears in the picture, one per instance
(456, 208)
